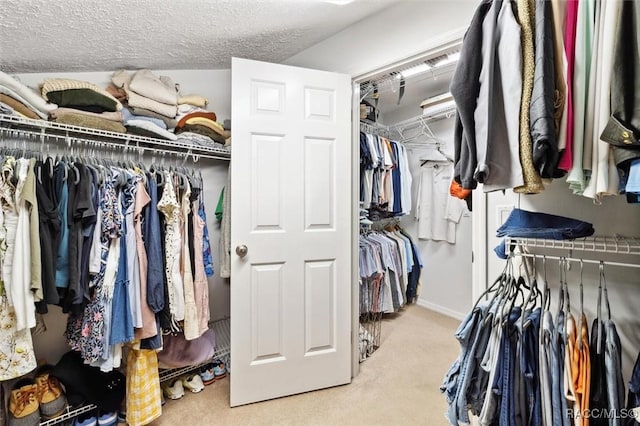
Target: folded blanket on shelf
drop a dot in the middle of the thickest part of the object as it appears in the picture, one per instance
(18, 106)
(192, 138)
(12, 94)
(128, 116)
(203, 130)
(170, 122)
(202, 114)
(84, 99)
(6, 109)
(62, 84)
(159, 88)
(75, 119)
(146, 128)
(137, 101)
(28, 94)
(116, 92)
(195, 100)
(107, 115)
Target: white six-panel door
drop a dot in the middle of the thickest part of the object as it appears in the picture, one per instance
(291, 215)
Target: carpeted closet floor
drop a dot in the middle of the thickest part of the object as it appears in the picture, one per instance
(398, 385)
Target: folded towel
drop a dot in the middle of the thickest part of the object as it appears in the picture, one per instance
(146, 128)
(9, 92)
(107, 115)
(18, 106)
(170, 122)
(137, 101)
(195, 100)
(92, 122)
(6, 109)
(119, 94)
(121, 78)
(128, 116)
(203, 130)
(213, 125)
(159, 88)
(29, 95)
(203, 114)
(184, 109)
(196, 139)
(60, 84)
(84, 99)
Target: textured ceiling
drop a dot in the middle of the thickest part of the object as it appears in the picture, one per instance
(101, 35)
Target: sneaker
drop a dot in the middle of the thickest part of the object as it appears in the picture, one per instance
(219, 371)
(173, 390)
(50, 397)
(85, 419)
(23, 404)
(108, 418)
(206, 374)
(193, 382)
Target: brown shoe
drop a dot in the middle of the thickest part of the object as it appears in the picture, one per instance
(50, 397)
(23, 404)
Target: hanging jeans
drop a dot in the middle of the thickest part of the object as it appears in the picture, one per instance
(633, 400)
(598, 397)
(507, 374)
(613, 366)
(456, 380)
(529, 356)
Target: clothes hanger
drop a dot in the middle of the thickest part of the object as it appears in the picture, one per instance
(581, 303)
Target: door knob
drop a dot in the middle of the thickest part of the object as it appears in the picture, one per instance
(242, 250)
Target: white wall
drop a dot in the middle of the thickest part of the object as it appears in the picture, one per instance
(396, 33)
(214, 85)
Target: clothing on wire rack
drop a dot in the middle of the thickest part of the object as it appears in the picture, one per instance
(390, 267)
(520, 366)
(385, 178)
(544, 89)
(87, 235)
(437, 212)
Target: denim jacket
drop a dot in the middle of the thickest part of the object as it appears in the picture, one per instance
(623, 129)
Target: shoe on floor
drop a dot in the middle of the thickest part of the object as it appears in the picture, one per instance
(206, 374)
(173, 390)
(193, 382)
(219, 370)
(108, 418)
(51, 399)
(86, 419)
(23, 404)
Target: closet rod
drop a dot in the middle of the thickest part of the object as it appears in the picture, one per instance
(578, 260)
(40, 130)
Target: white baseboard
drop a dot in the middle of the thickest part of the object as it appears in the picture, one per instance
(441, 309)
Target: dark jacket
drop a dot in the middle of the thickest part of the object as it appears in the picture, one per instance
(542, 108)
(465, 86)
(623, 129)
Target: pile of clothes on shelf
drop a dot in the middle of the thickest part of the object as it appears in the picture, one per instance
(138, 102)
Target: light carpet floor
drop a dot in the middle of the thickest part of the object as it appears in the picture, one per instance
(398, 385)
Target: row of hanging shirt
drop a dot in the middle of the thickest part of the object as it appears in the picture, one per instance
(385, 178)
(123, 249)
(390, 266)
(519, 366)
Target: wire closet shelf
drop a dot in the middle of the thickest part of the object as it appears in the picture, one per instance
(76, 137)
(607, 246)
